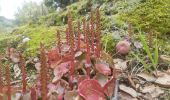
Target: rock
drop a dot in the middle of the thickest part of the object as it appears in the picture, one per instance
(25, 40)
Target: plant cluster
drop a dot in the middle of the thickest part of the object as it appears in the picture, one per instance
(75, 69)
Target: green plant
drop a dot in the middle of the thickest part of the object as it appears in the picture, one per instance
(153, 56)
(108, 42)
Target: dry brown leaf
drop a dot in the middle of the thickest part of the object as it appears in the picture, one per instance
(70, 95)
(147, 77)
(120, 64)
(165, 58)
(153, 90)
(125, 96)
(164, 80)
(128, 90)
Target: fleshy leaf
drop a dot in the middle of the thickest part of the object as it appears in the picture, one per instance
(90, 89)
(103, 68)
(53, 57)
(60, 70)
(109, 87)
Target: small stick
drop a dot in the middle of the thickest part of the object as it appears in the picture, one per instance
(116, 90)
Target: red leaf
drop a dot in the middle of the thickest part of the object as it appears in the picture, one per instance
(60, 70)
(53, 57)
(90, 89)
(109, 87)
(103, 68)
(81, 78)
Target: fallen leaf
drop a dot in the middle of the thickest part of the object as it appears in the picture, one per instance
(164, 80)
(65, 48)
(147, 77)
(120, 64)
(26, 96)
(165, 58)
(138, 45)
(70, 95)
(79, 53)
(125, 96)
(153, 90)
(38, 66)
(17, 70)
(128, 90)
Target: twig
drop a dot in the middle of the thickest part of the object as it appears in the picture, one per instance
(116, 90)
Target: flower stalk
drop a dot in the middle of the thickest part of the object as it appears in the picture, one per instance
(98, 32)
(59, 41)
(92, 31)
(24, 75)
(78, 33)
(43, 72)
